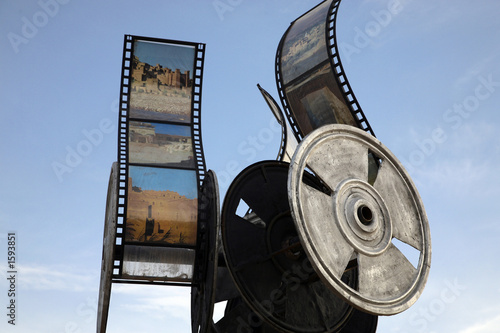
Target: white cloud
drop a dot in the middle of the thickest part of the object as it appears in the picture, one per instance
(471, 74)
(62, 278)
(466, 160)
(455, 174)
(489, 326)
(156, 301)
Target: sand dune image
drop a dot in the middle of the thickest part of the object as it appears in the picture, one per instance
(161, 144)
(173, 217)
(162, 206)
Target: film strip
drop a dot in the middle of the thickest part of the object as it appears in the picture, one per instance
(283, 153)
(161, 164)
(342, 81)
(310, 78)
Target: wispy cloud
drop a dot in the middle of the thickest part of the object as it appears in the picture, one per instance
(484, 65)
(489, 326)
(464, 161)
(60, 278)
(156, 301)
(464, 177)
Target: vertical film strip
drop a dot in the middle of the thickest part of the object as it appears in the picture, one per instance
(311, 82)
(161, 164)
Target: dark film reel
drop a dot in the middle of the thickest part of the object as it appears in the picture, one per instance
(205, 275)
(265, 257)
(238, 317)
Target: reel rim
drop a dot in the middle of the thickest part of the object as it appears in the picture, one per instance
(203, 291)
(108, 250)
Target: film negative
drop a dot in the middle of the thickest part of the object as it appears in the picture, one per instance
(310, 78)
(288, 144)
(161, 164)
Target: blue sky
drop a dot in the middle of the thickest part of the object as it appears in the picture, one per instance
(427, 77)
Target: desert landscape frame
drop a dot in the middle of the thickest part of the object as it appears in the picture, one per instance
(161, 144)
(162, 81)
(315, 100)
(304, 44)
(162, 207)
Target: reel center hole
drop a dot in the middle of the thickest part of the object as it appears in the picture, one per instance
(365, 215)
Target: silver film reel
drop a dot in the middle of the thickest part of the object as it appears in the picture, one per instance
(369, 200)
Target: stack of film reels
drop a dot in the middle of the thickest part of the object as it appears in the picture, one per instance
(311, 242)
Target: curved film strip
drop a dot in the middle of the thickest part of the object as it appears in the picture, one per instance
(288, 144)
(310, 78)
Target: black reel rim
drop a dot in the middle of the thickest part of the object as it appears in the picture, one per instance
(205, 275)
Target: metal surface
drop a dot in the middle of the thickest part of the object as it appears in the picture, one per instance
(205, 275)
(358, 216)
(107, 251)
(265, 259)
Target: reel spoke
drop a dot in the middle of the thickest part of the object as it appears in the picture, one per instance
(404, 214)
(340, 252)
(387, 276)
(334, 162)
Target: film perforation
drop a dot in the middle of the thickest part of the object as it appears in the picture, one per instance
(340, 76)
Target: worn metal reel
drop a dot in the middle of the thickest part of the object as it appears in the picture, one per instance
(370, 201)
(265, 257)
(110, 225)
(205, 274)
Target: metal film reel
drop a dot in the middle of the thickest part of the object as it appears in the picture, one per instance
(355, 221)
(265, 257)
(110, 224)
(205, 276)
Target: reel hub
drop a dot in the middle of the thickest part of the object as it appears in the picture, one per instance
(362, 216)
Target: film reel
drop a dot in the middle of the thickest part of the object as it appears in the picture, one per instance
(356, 219)
(265, 257)
(110, 224)
(205, 275)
